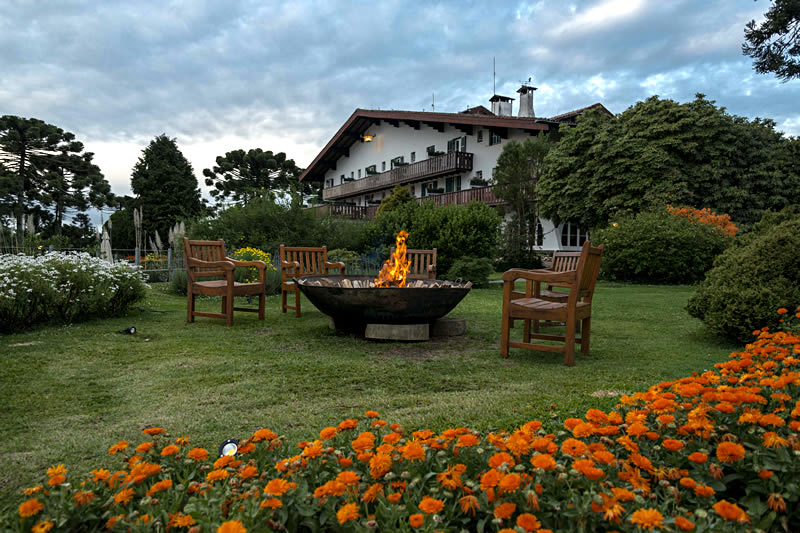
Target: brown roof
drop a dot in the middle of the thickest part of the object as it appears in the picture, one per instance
(569, 116)
(361, 119)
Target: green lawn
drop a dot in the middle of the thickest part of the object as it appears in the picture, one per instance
(68, 393)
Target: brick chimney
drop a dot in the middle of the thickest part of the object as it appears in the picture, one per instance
(526, 101)
(501, 105)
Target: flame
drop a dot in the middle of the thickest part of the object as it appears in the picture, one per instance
(395, 269)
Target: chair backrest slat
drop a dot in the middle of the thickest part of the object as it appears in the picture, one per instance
(420, 261)
(587, 270)
(311, 259)
(204, 251)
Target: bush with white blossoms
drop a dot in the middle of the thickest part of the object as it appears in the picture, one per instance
(59, 287)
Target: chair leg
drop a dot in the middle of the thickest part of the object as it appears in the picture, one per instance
(283, 301)
(228, 310)
(261, 301)
(586, 326)
(189, 306)
(297, 302)
(526, 331)
(505, 328)
(536, 326)
(569, 343)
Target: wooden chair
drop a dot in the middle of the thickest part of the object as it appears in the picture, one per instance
(562, 262)
(206, 259)
(302, 261)
(530, 306)
(423, 263)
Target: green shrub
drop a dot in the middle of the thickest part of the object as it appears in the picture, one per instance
(177, 284)
(751, 280)
(58, 287)
(657, 247)
(474, 269)
(348, 257)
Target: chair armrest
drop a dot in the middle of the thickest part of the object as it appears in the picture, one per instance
(543, 276)
(224, 265)
(338, 265)
(289, 265)
(261, 265)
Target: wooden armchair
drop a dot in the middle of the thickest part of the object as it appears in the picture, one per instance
(423, 263)
(206, 259)
(302, 261)
(531, 306)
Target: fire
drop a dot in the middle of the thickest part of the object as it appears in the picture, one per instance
(395, 269)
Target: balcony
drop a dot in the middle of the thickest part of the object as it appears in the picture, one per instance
(476, 194)
(450, 163)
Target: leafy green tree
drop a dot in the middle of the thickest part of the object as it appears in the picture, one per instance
(519, 168)
(659, 152)
(165, 187)
(242, 176)
(399, 197)
(774, 45)
(44, 170)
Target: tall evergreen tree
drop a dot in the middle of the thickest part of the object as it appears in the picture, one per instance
(774, 44)
(45, 171)
(165, 187)
(242, 176)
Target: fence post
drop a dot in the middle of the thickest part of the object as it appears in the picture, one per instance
(169, 264)
(136, 257)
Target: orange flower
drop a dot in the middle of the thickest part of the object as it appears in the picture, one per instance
(529, 522)
(688, 482)
(684, 524)
(348, 478)
(56, 480)
(181, 520)
(278, 487)
(394, 497)
(159, 486)
(118, 447)
(217, 475)
(351, 423)
(509, 483)
(468, 440)
(731, 511)
(782, 311)
(144, 447)
(197, 454)
(371, 414)
(232, 526)
(263, 434)
(499, 458)
(704, 491)
(413, 452)
(672, 445)
(153, 431)
(698, 457)
(416, 520)
(247, 472)
(33, 490)
(123, 496)
(371, 494)
(379, 465)
(83, 497)
(170, 450)
(56, 470)
(182, 441)
(543, 461)
(42, 527)
(647, 518)
(730, 452)
(328, 433)
(30, 508)
(451, 478)
(347, 512)
(765, 474)
(272, 503)
(504, 510)
(430, 505)
(776, 502)
(111, 522)
(587, 468)
(469, 504)
(490, 479)
(573, 447)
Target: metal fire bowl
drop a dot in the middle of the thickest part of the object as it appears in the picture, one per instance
(353, 309)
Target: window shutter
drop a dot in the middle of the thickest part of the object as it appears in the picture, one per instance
(464, 143)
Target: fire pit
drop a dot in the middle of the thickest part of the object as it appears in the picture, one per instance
(359, 303)
(355, 301)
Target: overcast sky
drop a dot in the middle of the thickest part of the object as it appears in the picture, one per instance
(223, 75)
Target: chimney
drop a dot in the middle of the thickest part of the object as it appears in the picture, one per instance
(526, 101)
(501, 105)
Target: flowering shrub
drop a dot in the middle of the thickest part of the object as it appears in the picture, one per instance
(253, 254)
(715, 451)
(63, 287)
(706, 216)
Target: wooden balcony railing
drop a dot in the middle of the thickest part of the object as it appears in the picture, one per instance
(449, 163)
(346, 211)
(476, 194)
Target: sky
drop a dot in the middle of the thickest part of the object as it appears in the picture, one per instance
(284, 76)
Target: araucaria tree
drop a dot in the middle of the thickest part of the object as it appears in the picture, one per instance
(661, 152)
(519, 169)
(774, 45)
(165, 186)
(44, 170)
(242, 176)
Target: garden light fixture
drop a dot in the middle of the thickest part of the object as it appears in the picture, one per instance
(229, 447)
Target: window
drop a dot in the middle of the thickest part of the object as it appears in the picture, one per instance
(370, 170)
(431, 150)
(412, 191)
(459, 144)
(413, 156)
(479, 174)
(383, 166)
(458, 183)
(359, 173)
(397, 161)
(573, 236)
(352, 176)
(329, 183)
(539, 236)
(341, 178)
(494, 139)
(449, 184)
(480, 136)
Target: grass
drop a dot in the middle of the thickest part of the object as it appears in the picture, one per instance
(70, 392)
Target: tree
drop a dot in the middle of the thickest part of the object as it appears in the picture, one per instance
(165, 187)
(399, 197)
(658, 152)
(774, 45)
(242, 176)
(46, 172)
(519, 168)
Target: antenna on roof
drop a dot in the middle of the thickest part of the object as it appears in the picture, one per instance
(494, 78)
(433, 102)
